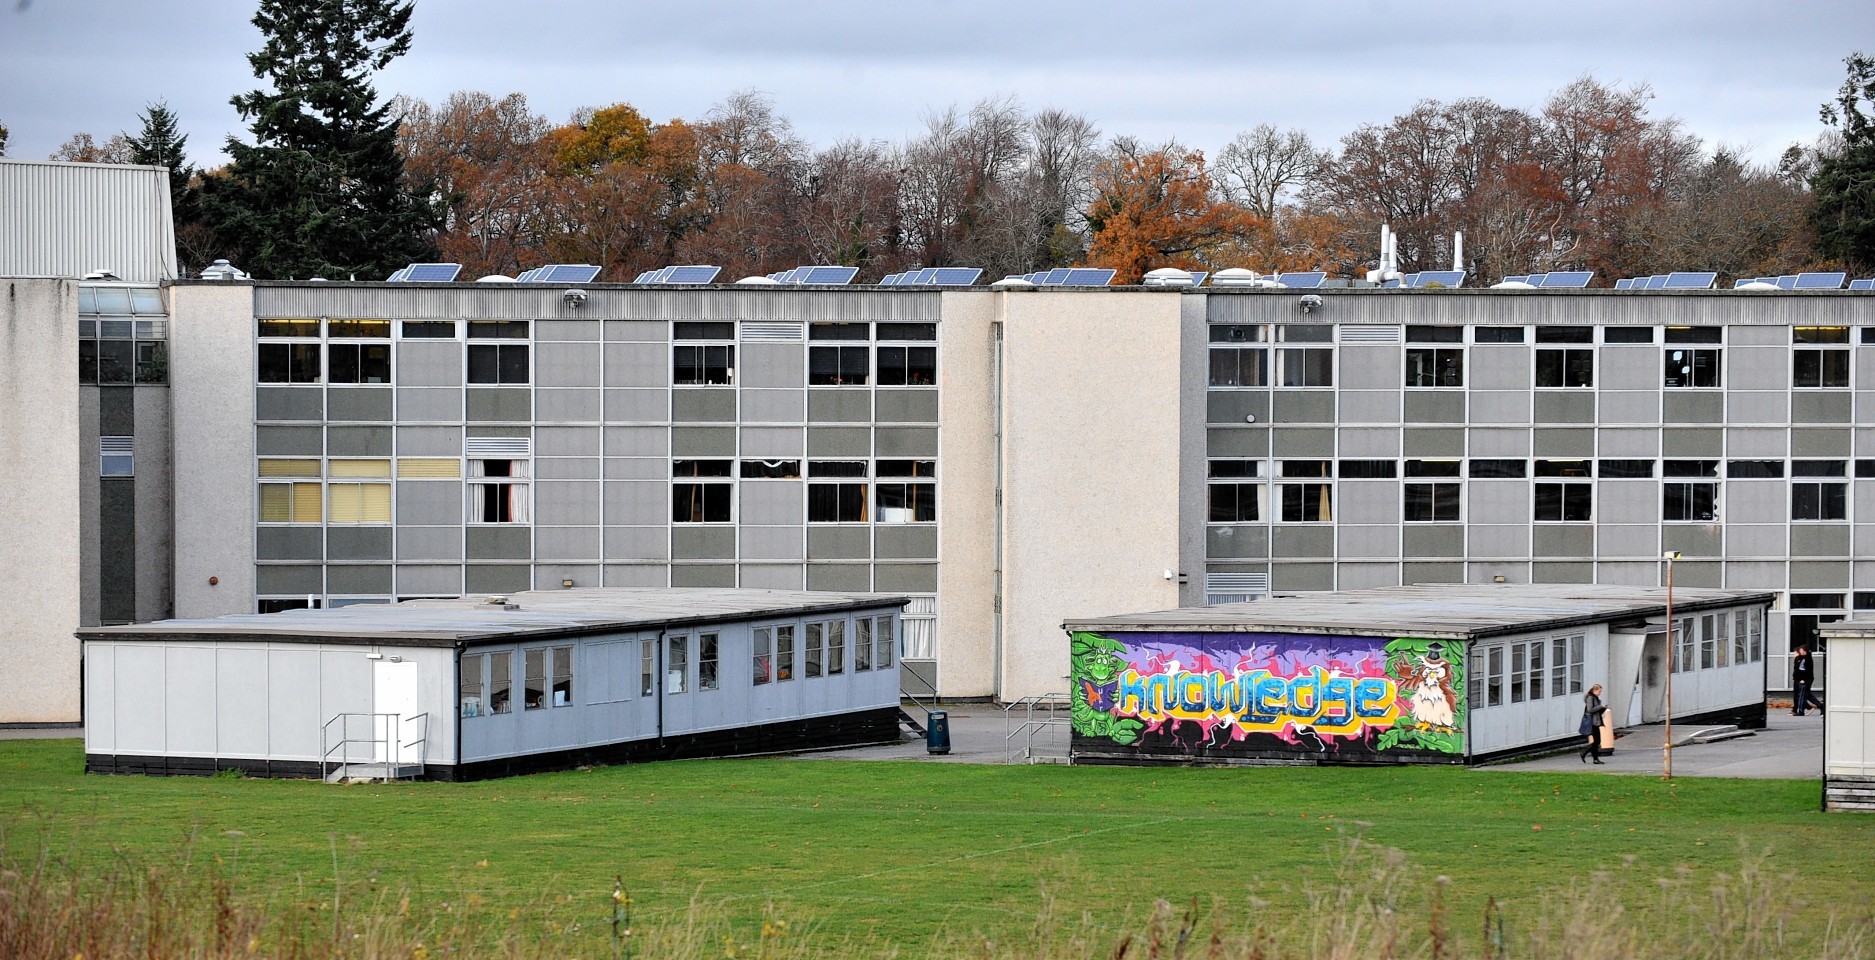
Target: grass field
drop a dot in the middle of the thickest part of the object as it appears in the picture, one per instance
(918, 855)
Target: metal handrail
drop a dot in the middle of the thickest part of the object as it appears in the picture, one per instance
(1028, 728)
(1051, 703)
(391, 725)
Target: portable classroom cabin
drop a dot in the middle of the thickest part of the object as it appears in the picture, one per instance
(467, 689)
(1446, 673)
(1849, 716)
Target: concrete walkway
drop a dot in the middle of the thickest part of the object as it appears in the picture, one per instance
(1789, 748)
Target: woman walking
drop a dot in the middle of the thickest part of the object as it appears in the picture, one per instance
(1592, 711)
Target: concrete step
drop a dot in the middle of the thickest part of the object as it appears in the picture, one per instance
(1714, 735)
(374, 771)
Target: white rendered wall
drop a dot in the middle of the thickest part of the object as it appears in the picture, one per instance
(39, 470)
(1091, 419)
(211, 364)
(966, 632)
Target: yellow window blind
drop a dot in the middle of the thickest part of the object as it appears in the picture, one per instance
(361, 502)
(359, 468)
(289, 503)
(276, 467)
(429, 468)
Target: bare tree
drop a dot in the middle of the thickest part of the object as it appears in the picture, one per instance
(81, 148)
(1258, 168)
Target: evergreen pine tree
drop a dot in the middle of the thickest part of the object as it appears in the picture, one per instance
(1844, 182)
(320, 191)
(161, 145)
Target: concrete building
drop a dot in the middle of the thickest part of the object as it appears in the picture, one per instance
(1443, 673)
(85, 458)
(467, 689)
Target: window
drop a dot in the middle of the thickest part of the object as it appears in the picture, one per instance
(534, 689)
(1238, 366)
(1367, 469)
(836, 647)
(562, 689)
(498, 491)
(1691, 366)
(363, 362)
(882, 642)
(1708, 642)
(1497, 335)
(1236, 502)
(1563, 502)
(1308, 502)
(784, 652)
(703, 364)
(1754, 469)
(648, 668)
(1565, 367)
(1432, 502)
(1627, 334)
(117, 457)
(1821, 357)
(1486, 469)
(838, 364)
(771, 469)
(469, 685)
(498, 363)
(1689, 501)
(1741, 651)
(1306, 366)
(836, 502)
(706, 662)
(1685, 641)
(358, 501)
(122, 333)
(676, 664)
(862, 644)
(1575, 469)
(301, 501)
(763, 646)
(909, 500)
(282, 363)
(1819, 499)
(1432, 468)
(1494, 677)
(907, 365)
(428, 329)
(814, 651)
(1435, 366)
(921, 628)
(500, 682)
(1625, 469)
(698, 501)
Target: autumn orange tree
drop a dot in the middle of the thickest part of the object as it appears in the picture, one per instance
(1154, 208)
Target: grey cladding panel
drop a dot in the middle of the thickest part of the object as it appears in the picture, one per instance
(905, 577)
(773, 576)
(289, 543)
(1435, 406)
(367, 579)
(1303, 406)
(906, 406)
(1692, 442)
(772, 543)
(626, 406)
(1563, 540)
(839, 405)
(289, 441)
(429, 543)
(437, 364)
(638, 543)
(359, 403)
(838, 543)
(1433, 442)
(567, 405)
(499, 542)
(839, 576)
(289, 580)
(1432, 572)
(566, 502)
(839, 442)
(566, 364)
(1303, 541)
(1237, 543)
(358, 543)
(905, 542)
(289, 403)
(1370, 406)
(772, 365)
(1234, 406)
(1500, 367)
(430, 403)
(496, 578)
(1302, 576)
(1693, 540)
(429, 441)
(430, 502)
(691, 542)
(635, 502)
(776, 502)
(1242, 442)
(1819, 442)
(703, 406)
(1820, 407)
(358, 441)
(1563, 442)
(1562, 572)
(703, 575)
(637, 365)
(566, 543)
(1558, 407)
(1819, 540)
(1368, 367)
(774, 406)
(1307, 442)
(1694, 407)
(703, 441)
(1432, 540)
(548, 331)
(566, 441)
(500, 404)
(907, 442)
(777, 442)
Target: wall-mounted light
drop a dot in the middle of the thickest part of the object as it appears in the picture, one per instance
(567, 584)
(213, 580)
(1498, 579)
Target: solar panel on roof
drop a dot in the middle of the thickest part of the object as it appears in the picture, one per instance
(1303, 279)
(1868, 284)
(833, 276)
(1197, 277)
(431, 272)
(1694, 280)
(645, 277)
(956, 276)
(1056, 277)
(1652, 283)
(1083, 277)
(1626, 283)
(1531, 279)
(923, 276)
(567, 273)
(1568, 279)
(1786, 282)
(1444, 278)
(398, 275)
(1820, 281)
(693, 273)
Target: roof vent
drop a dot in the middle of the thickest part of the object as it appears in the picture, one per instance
(100, 275)
(1167, 277)
(1234, 277)
(222, 270)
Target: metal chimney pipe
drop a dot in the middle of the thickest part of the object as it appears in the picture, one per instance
(1458, 250)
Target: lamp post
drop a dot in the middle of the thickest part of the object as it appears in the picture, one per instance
(1666, 748)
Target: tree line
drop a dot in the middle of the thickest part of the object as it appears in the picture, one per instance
(337, 183)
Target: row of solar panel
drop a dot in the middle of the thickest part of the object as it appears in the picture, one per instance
(1429, 278)
(1694, 280)
(933, 276)
(694, 273)
(1800, 281)
(826, 275)
(1564, 279)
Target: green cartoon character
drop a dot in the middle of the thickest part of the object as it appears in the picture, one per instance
(1094, 673)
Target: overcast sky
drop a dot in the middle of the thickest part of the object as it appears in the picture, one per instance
(1740, 73)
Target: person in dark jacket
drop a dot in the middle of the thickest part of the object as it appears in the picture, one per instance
(1803, 676)
(1592, 711)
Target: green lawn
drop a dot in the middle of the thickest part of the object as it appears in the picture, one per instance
(909, 852)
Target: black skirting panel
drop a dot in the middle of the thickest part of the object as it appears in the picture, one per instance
(858, 728)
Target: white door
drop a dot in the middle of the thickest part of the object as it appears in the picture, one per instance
(398, 691)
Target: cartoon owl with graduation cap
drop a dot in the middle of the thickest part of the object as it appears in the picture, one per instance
(1429, 685)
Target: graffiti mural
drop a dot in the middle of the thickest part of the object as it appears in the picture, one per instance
(1267, 695)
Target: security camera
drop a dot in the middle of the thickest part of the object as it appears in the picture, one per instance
(1310, 302)
(573, 298)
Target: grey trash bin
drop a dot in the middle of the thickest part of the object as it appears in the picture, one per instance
(937, 732)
